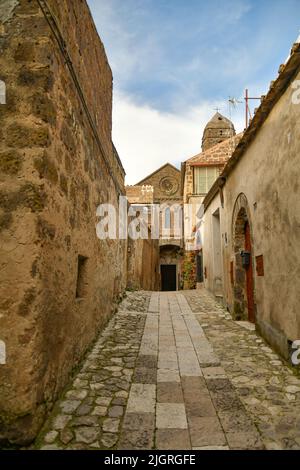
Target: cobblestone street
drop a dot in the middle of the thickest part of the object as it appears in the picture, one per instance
(174, 371)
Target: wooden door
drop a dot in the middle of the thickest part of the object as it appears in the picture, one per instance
(249, 276)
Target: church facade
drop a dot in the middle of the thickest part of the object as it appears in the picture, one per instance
(162, 188)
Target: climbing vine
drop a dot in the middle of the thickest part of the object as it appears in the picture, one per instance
(189, 271)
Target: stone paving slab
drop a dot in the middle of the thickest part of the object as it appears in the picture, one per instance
(168, 375)
(173, 371)
(169, 392)
(141, 398)
(206, 431)
(175, 439)
(145, 375)
(171, 415)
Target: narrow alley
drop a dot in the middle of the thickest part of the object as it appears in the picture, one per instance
(174, 371)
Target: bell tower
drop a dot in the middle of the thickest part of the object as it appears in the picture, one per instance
(218, 129)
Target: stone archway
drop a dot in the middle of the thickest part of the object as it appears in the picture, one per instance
(243, 288)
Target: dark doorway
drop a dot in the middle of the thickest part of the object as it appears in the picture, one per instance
(200, 267)
(168, 277)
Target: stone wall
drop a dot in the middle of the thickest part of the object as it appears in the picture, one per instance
(58, 281)
(214, 136)
(139, 194)
(208, 250)
(142, 265)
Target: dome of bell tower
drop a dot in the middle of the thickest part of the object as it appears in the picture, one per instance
(218, 129)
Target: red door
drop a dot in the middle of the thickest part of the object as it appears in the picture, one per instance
(249, 276)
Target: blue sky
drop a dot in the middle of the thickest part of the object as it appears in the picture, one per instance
(174, 61)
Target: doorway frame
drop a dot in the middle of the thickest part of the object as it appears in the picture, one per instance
(242, 284)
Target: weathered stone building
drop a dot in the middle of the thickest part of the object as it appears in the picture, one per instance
(58, 281)
(252, 224)
(199, 173)
(164, 186)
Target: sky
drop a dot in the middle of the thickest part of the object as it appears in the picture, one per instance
(175, 62)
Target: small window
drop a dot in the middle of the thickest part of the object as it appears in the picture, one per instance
(204, 178)
(81, 287)
(167, 218)
(2, 353)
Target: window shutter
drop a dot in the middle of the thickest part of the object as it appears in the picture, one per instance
(211, 177)
(200, 180)
(204, 178)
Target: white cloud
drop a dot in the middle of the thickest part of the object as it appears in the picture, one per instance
(152, 126)
(140, 45)
(147, 138)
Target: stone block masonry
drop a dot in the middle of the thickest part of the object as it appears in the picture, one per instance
(58, 282)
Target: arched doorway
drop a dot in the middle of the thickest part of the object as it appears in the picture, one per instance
(244, 300)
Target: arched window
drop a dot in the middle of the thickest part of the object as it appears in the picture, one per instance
(167, 218)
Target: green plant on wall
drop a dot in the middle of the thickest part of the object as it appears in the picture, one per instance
(189, 274)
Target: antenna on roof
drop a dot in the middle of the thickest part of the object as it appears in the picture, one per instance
(232, 104)
(234, 101)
